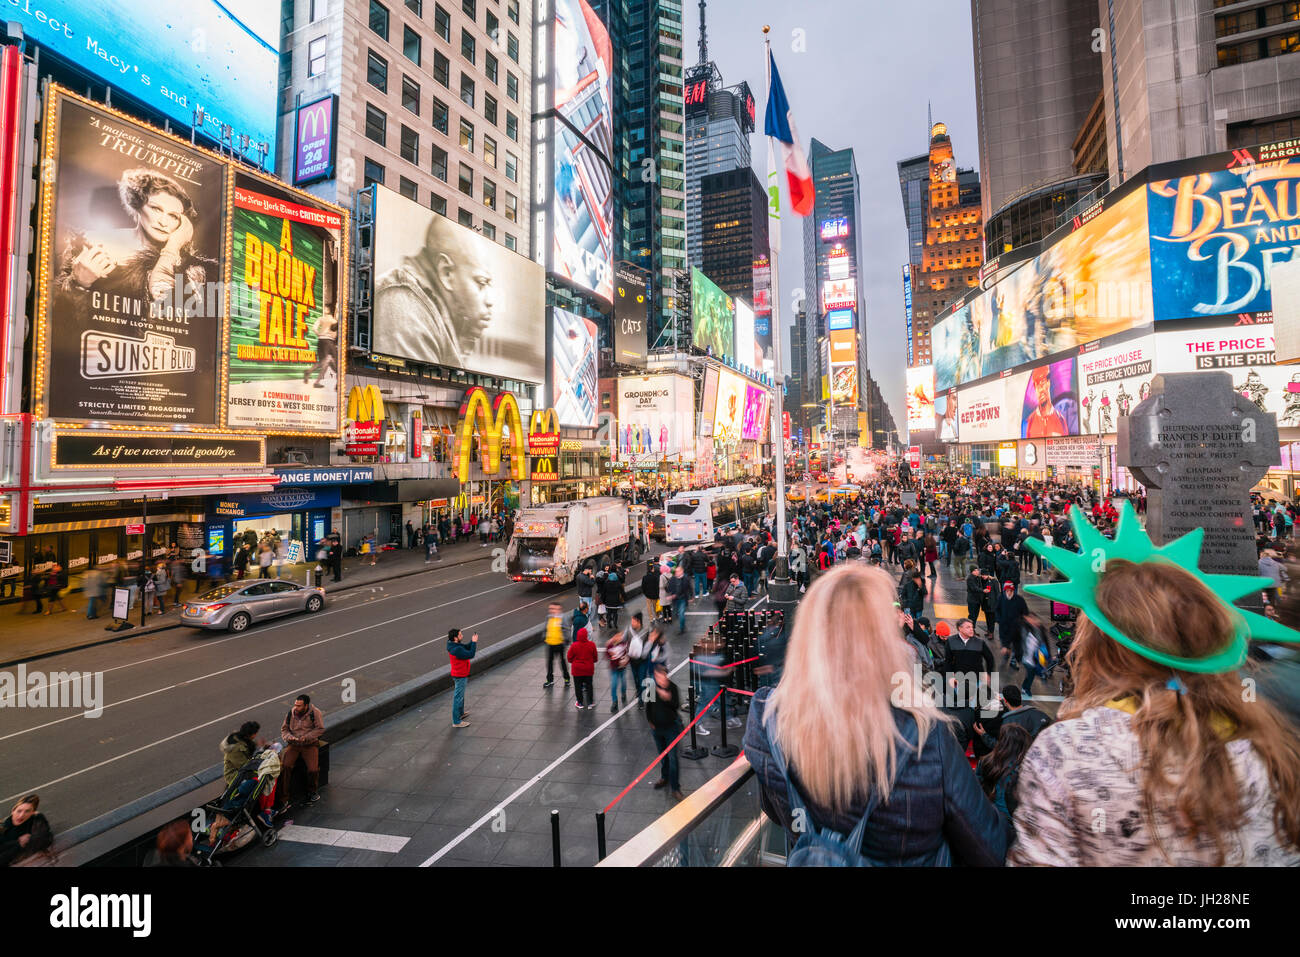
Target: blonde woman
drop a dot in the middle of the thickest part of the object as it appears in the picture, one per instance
(848, 703)
(1150, 766)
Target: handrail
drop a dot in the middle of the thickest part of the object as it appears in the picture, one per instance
(653, 842)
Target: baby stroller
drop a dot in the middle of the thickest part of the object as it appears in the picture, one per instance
(244, 811)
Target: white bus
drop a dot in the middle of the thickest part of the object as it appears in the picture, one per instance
(696, 516)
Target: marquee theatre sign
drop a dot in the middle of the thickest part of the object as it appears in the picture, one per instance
(114, 450)
(1199, 446)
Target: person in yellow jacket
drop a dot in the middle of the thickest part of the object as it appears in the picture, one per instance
(555, 644)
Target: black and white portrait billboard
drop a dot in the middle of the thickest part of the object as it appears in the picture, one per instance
(445, 295)
(129, 316)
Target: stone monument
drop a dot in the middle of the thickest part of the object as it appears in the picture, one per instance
(1199, 446)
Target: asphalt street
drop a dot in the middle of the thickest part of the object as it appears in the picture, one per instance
(169, 699)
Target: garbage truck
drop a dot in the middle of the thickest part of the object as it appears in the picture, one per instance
(552, 543)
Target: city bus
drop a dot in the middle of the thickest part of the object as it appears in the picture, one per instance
(696, 516)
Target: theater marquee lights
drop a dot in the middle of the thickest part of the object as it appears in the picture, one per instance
(493, 418)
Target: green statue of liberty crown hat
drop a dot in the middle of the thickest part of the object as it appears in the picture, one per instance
(1086, 567)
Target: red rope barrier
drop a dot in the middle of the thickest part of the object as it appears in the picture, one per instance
(622, 794)
(749, 694)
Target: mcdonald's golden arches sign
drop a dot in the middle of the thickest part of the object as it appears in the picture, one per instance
(494, 419)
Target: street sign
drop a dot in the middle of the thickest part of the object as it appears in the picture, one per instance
(135, 529)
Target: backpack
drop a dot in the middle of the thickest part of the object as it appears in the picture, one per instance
(823, 847)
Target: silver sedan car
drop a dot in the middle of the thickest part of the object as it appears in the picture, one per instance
(239, 604)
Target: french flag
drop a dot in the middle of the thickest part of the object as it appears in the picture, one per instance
(780, 125)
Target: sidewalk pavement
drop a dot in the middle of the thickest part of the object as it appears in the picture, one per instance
(26, 636)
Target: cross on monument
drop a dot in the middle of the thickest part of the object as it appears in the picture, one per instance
(1199, 446)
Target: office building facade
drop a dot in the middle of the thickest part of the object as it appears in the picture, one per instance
(733, 227)
(1037, 76)
(718, 124)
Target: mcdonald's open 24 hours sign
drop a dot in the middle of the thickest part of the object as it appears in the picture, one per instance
(314, 140)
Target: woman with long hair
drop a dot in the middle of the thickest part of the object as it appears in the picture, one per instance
(856, 728)
(1155, 766)
(999, 770)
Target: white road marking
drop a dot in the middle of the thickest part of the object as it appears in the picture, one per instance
(255, 661)
(244, 710)
(531, 781)
(333, 837)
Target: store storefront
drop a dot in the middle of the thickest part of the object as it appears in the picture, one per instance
(300, 515)
(99, 534)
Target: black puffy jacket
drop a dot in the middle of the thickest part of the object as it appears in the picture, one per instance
(937, 814)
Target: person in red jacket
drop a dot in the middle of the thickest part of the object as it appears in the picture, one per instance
(582, 662)
(460, 654)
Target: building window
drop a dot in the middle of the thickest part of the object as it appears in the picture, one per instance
(376, 125)
(379, 18)
(466, 179)
(316, 56)
(467, 90)
(411, 45)
(439, 165)
(512, 10)
(377, 71)
(512, 207)
(490, 108)
(416, 7)
(442, 69)
(511, 242)
(469, 7)
(490, 67)
(467, 45)
(438, 204)
(316, 10)
(442, 24)
(410, 145)
(512, 87)
(465, 218)
(408, 189)
(439, 116)
(374, 173)
(411, 95)
(490, 151)
(512, 126)
(492, 26)
(512, 167)
(466, 135)
(512, 46)
(286, 68)
(489, 193)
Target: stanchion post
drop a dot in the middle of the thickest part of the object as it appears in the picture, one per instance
(694, 752)
(555, 837)
(725, 750)
(600, 835)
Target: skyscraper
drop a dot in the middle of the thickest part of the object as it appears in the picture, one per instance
(1177, 86)
(832, 253)
(649, 153)
(1037, 76)
(953, 251)
(718, 124)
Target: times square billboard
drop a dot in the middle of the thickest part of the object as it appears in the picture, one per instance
(180, 289)
(175, 58)
(1194, 240)
(581, 139)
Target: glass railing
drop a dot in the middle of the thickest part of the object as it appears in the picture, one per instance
(719, 825)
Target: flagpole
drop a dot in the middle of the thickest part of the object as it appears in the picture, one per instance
(781, 567)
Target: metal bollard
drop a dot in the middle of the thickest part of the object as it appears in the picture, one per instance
(600, 836)
(725, 750)
(694, 752)
(555, 837)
